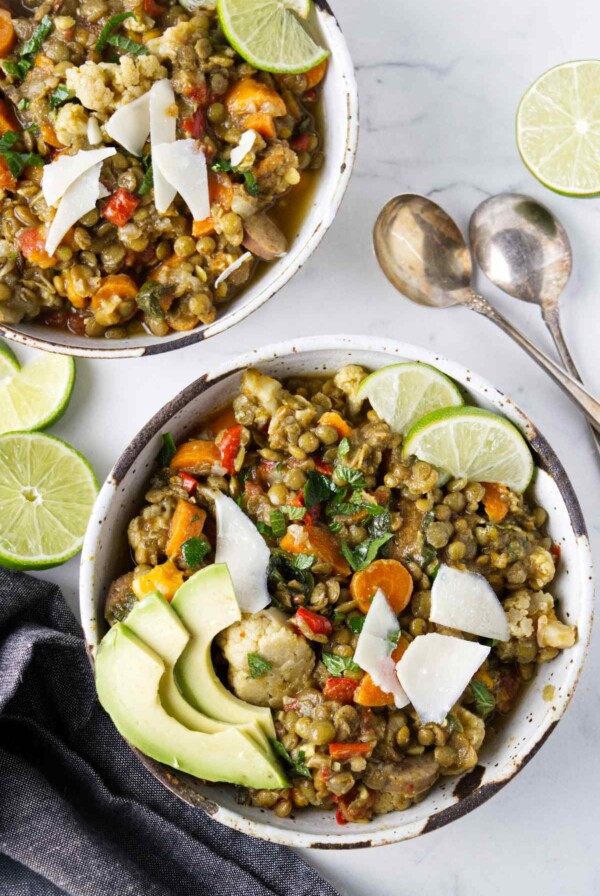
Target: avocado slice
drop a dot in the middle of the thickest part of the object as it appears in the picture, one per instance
(206, 604)
(155, 623)
(128, 675)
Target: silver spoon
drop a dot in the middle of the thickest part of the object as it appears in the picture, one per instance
(524, 250)
(424, 255)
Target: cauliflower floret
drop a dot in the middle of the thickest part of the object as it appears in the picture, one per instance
(105, 86)
(268, 635)
(541, 568)
(348, 380)
(265, 390)
(170, 41)
(553, 633)
(517, 614)
(71, 124)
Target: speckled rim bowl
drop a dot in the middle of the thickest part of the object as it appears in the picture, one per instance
(105, 556)
(339, 125)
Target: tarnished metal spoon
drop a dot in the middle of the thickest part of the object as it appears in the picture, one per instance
(524, 250)
(424, 255)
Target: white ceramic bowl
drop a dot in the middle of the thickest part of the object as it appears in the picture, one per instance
(339, 127)
(105, 555)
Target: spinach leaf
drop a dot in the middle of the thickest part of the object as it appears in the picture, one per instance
(59, 96)
(127, 45)
(17, 161)
(297, 764)
(356, 624)
(168, 450)
(258, 665)
(112, 24)
(149, 296)
(319, 487)
(278, 526)
(194, 550)
(337, 665)
(484, 699)
(365, 552)
(290, 573)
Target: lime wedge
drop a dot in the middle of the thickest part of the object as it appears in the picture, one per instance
(267, 34)
(47, 491)
(558, 128)
(37, 395)
(8, 361)
(403, 393)
(472, 444)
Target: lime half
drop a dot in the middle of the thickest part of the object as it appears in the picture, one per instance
(37, 395)
(472, 444)
(267, 34)
(558, 128)
(403, 393)
(47, 491)
(8, 361)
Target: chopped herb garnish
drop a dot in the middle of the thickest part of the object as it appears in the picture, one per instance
(335, 528)
(34, 44)
(365, 552)
(149, 296)
(489, 642)
(18, 69)
(16, 161)
(112, 24)
(379, 525)
(278, 525)
(193, 551)
(338, 616)
(319, 487)
(337, 665)
(148, 178)
(168, 450)
(454, 724)
(23, 104)
(302, 561)
(297, 764)
(127, 45)
(290, 573)
(484, 699)
(356, 624)
(294, 513)
(59, 96)
(264, 529)
(343, 448)
(221, 165)
(249, 179)
(353, 477)
(258, 665)
(250, 183)
(433, 574)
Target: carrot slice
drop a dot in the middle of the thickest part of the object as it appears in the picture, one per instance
(225, 419)
(248, 96)
(32, 243)
(7, 180)
(260, 122)
(220, 192)
(332, 418)
(165, 578)
(370, 694)
(315, 75)
(49, 135)
(318, 541)
(187, 522)
(8, 38)
(391, 576)
(115, 285)
(196, 453)
(8, 121)
(496, 501)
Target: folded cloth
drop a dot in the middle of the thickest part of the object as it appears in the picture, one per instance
(79, 814)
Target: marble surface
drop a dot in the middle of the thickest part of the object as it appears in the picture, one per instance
(439, 86)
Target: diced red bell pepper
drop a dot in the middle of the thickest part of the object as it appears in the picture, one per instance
(339, 817)
(322, 467)
(198, 92)
(188, 482)
(343, 752)
(120, 207)
(316, 623)
(340, 689)
(312, 513)
(32, 244)
(229, 447)
(555, 551)
(195, 125)
(310, 96)
(152, 9)
(300, 143)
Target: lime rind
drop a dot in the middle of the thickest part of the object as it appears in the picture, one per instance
(9, 364)
(37, 395)
(474, 444)
(403, 393)
(47, 493)
(269, 36)
(558, 129)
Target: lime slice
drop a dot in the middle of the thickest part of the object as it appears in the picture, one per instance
(472, 444)
(267, 34)
(403, 393)
(47, 491)
(37, 395)
(8, 361)
(558, 128)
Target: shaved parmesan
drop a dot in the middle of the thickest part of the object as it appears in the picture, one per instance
(78, 200)
(163, 124)
(183, 165)
(130, 124)
(435, 670)
(239, 152)
(246, 554)
(94, 134)
(193, 5)
(233, 267)
(375, 645)
(59, 175)
(466, 601)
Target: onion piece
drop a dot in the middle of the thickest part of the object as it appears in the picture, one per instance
(233, 267)
(58, 176)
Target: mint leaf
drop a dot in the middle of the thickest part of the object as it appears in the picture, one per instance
(112, 24)
(353, 477)
(365, 552)
(356, 624)
(319, 487)
(148, 178)
(296, 764)
(343, 448)
(193, 551)
(484, 699)
(34, 44)
(127, 45)
(302, 561)
(294, 513)
(278, 526)
(337, 665)
(59, 96)
(258, 665)
(149, 296)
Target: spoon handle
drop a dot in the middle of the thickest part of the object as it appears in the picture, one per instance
(552, 321)
(578, 393)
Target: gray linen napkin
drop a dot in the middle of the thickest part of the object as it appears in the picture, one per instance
(79, 814)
